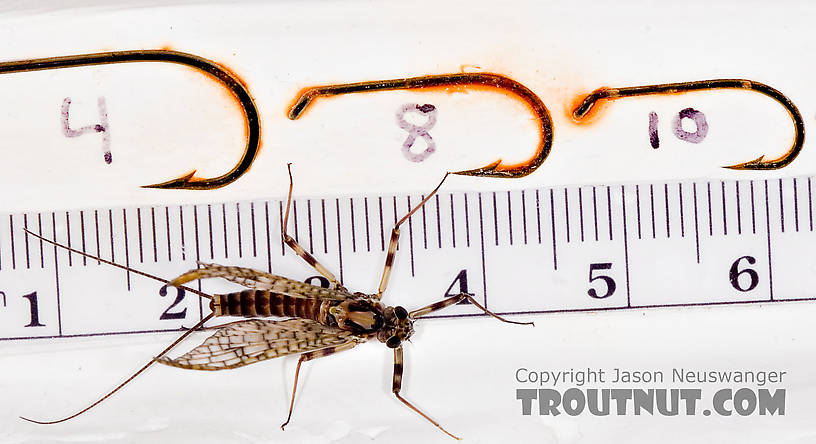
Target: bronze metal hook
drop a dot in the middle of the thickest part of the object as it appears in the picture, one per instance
(671, 88)
(502, 83)
(231, 81)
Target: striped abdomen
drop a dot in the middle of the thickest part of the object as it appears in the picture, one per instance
(262, 303)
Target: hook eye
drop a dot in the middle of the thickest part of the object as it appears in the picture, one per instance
(759, 163)
(219, 73)
(499, 82)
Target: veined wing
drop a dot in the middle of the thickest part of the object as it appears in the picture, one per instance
(244, 342)
(259, 280)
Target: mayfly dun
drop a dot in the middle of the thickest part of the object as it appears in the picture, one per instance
(320, 321)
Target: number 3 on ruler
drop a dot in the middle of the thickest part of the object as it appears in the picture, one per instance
(610, 283)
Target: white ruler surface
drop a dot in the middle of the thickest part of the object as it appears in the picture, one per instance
(562, 249)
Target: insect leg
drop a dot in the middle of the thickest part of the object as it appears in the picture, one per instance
(133, 376)
(297, 248)
(308, 356)
(455, 300)
(396, 386)
(394, 242)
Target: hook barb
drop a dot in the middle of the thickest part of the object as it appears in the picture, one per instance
(586, 106)
(495, 81)
(217, 72)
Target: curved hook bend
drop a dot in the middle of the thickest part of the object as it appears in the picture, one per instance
(495, 169)
(221, 74)
(670, 88)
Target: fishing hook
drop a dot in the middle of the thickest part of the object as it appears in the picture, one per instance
(220, 73)
(671, 88)
(502, 83)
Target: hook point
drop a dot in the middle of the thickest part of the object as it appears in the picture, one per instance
(177, 183)
(756, 164)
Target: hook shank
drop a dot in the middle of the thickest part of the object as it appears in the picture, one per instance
(506, 84)
(221, 74)
(671, 88)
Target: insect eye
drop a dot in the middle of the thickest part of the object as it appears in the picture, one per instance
(393, 342)
(400, 312)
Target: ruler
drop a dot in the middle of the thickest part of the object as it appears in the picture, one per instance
(543, 250)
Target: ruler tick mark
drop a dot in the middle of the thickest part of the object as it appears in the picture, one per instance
(438, 223)
(353, 227)
(238, 223)
(25, 237)
(781, 207)
(566, 214)
(696, 224)
(626, 246)
(368, 234)
(110, 225)
(410, 235)
(254, 232)
(139, 231)
(339, 239)
(724, 211)
(651, 203)
(637, 205)
(482, 243)
(224, 220)
(810, 205)
(11, 235)
(768, 235)
(753, 208)
(552, 219)
(595, 210)
(795, 205)
(538, 215)
(67, 236)
(98, 250)
(40, 231)
(682, 205)
(181, 231)
(524, 215)
(325, 238)
(509, 218)
(56, 274)
(127, 252)
(666, 198)
(453, 223)
(198, 258)
(382, 229)
(609, 209)
(424, 224)
(710, 218)
(166, 224)
(495, 220)
(195, 232)
(467, 221)
(210, 231)
(739, 207)
(580, 210)
(153, 225)
(311, 230)
(82, 230)
(268, 238)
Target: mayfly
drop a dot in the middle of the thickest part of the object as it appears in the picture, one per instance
(321, 321)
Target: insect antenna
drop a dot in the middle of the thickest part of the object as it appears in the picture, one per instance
(187, 333)
(114, 264)
(132, 377)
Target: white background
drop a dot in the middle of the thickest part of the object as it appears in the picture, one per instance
(166, 121)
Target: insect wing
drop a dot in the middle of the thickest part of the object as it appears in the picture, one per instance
(244, 342)
(259, 280)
